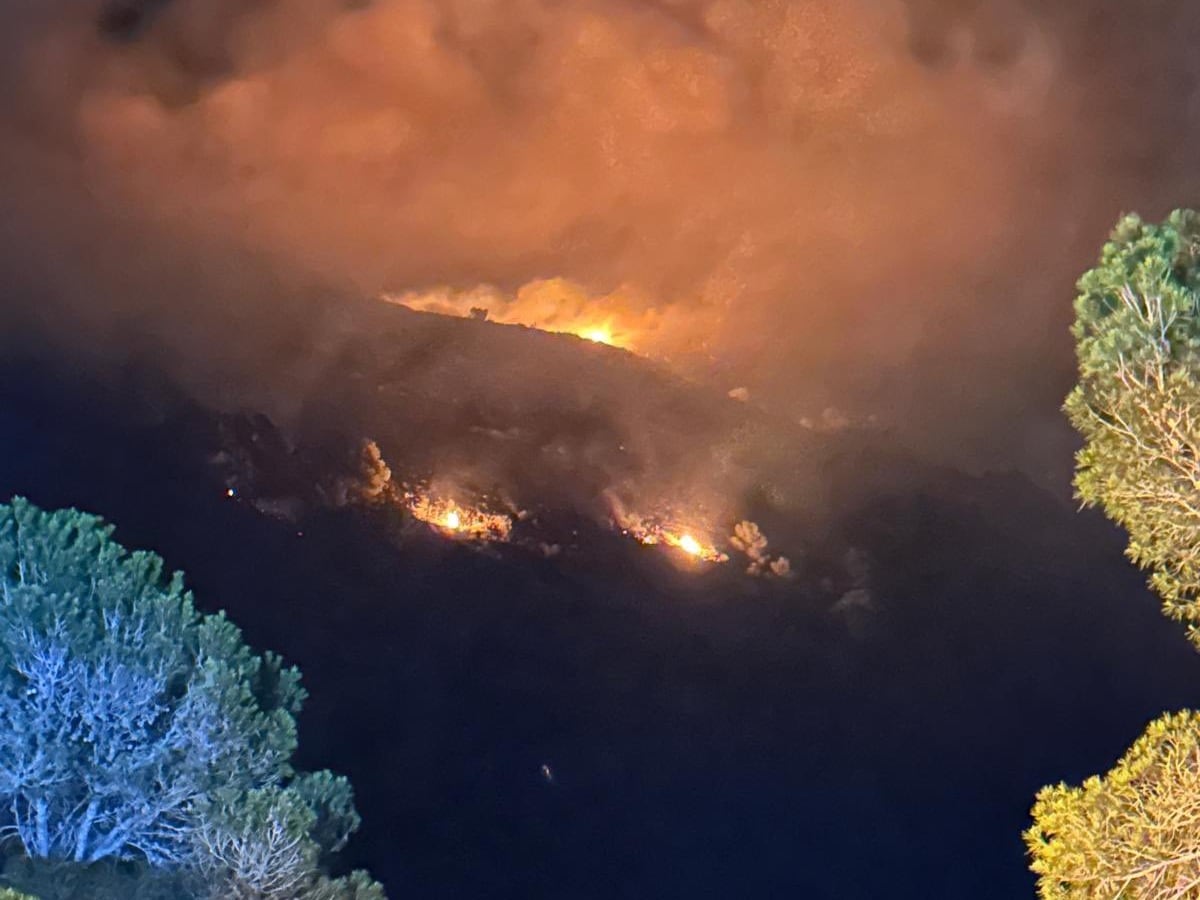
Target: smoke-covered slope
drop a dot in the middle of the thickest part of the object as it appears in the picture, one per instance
(874, 726)
(535, 424)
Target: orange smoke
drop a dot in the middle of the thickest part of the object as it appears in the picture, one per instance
(732, 189)
(778, 187)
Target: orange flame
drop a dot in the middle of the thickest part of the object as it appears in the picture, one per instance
(553, 305)
(652, 533)
(663, 529)
(689, 545)
(601, 334)
(456, 520)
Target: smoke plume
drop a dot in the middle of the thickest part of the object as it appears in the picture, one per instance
(871, 204)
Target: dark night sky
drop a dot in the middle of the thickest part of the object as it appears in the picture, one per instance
(876, 206)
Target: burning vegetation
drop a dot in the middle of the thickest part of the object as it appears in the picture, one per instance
(482, 447)
(457, 520)
(465, 521)
(479, 443)
(623, 318)
(600, 334)
(651, 531)
(476, 522)
(691, 546)
(374, 482)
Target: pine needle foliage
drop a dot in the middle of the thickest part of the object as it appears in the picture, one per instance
(1131, 834)
(1137, 402)
(121, 706)
(138, 734)
(1134, 833)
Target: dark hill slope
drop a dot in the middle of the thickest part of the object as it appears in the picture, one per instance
(874, 728)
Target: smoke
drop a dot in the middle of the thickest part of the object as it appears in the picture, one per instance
(865, 203)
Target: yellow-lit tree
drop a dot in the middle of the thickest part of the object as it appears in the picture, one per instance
(1134, 833)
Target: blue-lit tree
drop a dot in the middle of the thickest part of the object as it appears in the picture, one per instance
(132, 727)
(121, 707)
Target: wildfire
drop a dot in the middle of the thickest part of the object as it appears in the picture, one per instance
(653, 533)
(456, 520)
(601, 335)
(686, 543)
(664, 528)
(554, 305)
(432, 505)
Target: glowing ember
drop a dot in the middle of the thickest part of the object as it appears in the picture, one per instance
(690, 545)
(455, 520)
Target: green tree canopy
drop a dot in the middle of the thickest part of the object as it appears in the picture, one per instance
(1132, 834)
(1137, 402)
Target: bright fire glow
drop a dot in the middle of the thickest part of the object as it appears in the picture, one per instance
(456, 520)
(601, 335)
(651, 532)
(682, 541)
(553, 305)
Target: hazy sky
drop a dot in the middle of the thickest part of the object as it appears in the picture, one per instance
(880, 205)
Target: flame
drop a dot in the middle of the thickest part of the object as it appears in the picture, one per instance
(456, 520)
(554, 305)
(687, 543)
(651, 532)
(600, 335)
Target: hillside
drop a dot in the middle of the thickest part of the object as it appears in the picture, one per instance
(945, 637)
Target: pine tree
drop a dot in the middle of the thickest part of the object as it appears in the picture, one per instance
(1133, 833)
(1137, 403)
(135, 728)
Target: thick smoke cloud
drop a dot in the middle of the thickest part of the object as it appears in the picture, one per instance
(877, 205)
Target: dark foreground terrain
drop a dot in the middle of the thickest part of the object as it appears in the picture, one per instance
(603, 724)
